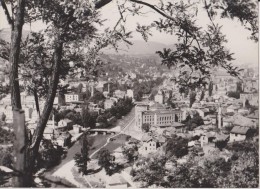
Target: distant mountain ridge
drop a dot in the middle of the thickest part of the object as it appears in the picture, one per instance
(138, 47)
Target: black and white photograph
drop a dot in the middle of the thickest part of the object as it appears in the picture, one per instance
(129, 94)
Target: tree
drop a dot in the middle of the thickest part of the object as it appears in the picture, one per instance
(193, 122)
(202, 95)
(61, 17)
(79, 89)
(239, 87)
(146, 127)
(101, 119)
(247, 104)
(152, 173)
(210, 88)
(3, 117)
(88, 118)
(233, 94)
(220, 144)
(49, 154)
(105, 160)
(81, 159)
(64, 17)
(192, 98)
(130, 153)
(97, 97)
(177, 146)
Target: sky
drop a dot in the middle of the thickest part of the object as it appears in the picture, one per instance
(245, 50)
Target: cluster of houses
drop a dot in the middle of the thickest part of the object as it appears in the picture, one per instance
(224, 118)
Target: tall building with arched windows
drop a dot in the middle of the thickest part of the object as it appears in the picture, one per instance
(156, 115)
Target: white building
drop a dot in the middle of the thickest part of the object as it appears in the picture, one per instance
(159, 98)
(130, 93)
(108, 103)
(238, 133)
(71, 98)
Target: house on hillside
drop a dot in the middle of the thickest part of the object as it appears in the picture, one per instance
(233, 108)
(64, 140)
(239, 133)
(150, 144)
(64, 125)
(119, 94)
(108, 103)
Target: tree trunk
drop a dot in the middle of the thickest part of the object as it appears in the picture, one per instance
(14, 54)
(18, 115)
(38, 134)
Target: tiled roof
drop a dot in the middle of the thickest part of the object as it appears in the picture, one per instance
(239, 130)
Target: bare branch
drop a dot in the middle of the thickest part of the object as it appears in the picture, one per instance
(9, 19)
(99, 4)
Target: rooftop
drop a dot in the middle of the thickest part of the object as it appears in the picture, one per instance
(239, 130)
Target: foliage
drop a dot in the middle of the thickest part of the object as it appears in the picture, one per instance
(130, 153)
(202, 95)
(193, 122)
(221, 144)
(102, 119)
(210, 88)
(6, 157)
(105, 160)
(3, 117)
(49, 154)
(121, 108)
(192, 98)
(98, 96)
(176, 146)
(81, 159)
(239, 87)
(88, 118)
(145, 87)
(146, 127)
(152, 173)
(6, 137)
(233, 94)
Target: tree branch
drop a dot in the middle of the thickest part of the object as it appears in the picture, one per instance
(154, 8)
(9, 19)
(99, 4)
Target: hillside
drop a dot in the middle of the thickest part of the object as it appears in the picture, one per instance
(138, 47)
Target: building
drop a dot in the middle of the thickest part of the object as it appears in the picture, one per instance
(246, 96)
(139, 108)
(149, 144)
(239, 133)
(130, 93)
(64, 139)
(233, 108)
(65, 124)
(157, 116)
(108, 103)
(161, 118)
(119, 94)
(71, 98)
(159, 98)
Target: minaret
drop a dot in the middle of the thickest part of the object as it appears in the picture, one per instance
(219, 117)
(92, 90)
(53, 123)
(108, 87)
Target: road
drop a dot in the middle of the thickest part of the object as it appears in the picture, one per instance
(65, 170)
(113, 136)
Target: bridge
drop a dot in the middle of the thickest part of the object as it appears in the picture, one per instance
(104, 131)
